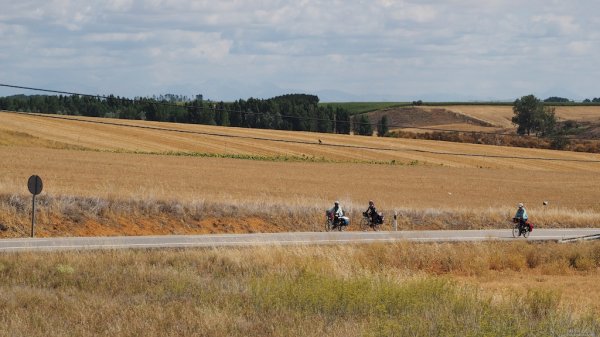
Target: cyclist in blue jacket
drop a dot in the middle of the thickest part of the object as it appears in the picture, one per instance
(521, 214)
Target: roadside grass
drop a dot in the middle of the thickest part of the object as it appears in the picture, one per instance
(365, 290)
(67, 215)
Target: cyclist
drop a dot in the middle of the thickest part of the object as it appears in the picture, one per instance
(371, 212)
(337, 212)
(521, 215)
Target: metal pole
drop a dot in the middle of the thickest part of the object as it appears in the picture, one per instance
(395, 221)
(33, 216)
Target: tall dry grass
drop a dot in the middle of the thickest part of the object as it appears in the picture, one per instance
(65, 215)
(367, 290)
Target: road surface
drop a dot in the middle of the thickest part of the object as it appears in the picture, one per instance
(298, 238)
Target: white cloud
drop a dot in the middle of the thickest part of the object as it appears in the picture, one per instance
(11, 31)
(363, 47)
(118, 37)
(413, 12)
(580, 47)
(566, 24)
(119, 5)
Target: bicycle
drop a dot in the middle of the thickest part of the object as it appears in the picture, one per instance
(367, 222)
(335, 223)
(521, 228)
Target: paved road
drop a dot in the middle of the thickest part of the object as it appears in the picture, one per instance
(303, 238)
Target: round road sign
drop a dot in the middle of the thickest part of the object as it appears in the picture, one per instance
(35, 185)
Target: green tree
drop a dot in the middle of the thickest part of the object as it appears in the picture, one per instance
(221, 115)
(382, 126)
(559, 140)
(556, 99)
(530, 115)
(362, 126)
(342, 120)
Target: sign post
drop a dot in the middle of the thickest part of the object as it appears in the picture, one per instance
(35, 186)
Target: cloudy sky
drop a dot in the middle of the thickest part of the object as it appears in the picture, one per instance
(379, 50)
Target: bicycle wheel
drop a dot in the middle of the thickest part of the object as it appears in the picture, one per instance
(364, 224)
(328, 225)
(515, 231)
(526, 232)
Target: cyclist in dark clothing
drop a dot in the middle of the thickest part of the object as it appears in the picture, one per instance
(372, 212)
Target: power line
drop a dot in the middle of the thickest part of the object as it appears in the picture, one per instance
(249, 113)
(306, 142)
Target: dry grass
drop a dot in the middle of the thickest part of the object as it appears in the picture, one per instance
(367, 290)
(88, 216)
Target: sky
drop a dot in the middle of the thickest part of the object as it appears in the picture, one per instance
(353, 50)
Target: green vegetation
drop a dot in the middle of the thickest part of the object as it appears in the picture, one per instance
(288, 112)
(595, 100)
(382, 126)
(362, 126)
(531, 115)
(368, 290)
(363, 107)
(556, 99)
(274, 158)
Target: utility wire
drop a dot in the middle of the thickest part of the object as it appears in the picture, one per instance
(305, 142)
(249, 113)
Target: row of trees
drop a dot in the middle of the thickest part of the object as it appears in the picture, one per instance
(295, 112)
(555, 99)
(593, 100)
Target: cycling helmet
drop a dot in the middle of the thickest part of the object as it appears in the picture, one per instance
(520, 205)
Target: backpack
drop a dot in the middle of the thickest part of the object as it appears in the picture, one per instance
(530, 224)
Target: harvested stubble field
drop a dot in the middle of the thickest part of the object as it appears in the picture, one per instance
(403, 289)
(109, 180)
(90, 134)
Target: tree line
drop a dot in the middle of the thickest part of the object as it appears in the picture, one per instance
(556, 99)
(294, 112)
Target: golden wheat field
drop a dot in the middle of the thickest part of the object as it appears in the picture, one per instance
(78, 132)
(435, 184)
(415, 179)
